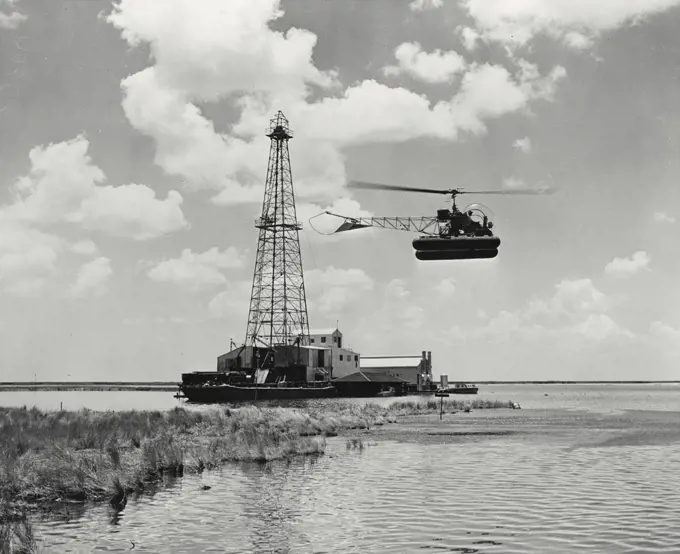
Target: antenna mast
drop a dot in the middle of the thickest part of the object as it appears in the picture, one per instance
(278, 303)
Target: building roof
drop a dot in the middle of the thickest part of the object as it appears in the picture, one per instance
(327, 331)
(361, 377)
(390, 361)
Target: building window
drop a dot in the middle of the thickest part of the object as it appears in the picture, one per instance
(335, 339)
(340, 357)
(356, 357)
(323, 339)
(311, 340)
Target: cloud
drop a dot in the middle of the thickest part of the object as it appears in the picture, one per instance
(197, 271)
(390, 323)
(84, 247)
(27, 259)
(422, 5)
(577, 41)
(575, 23)
(624, 267)
(92, 279)
(523, 145)
(576, 309)
(572, 298)
(373, 112)
(469, 37)
(663, 217)
(661, 330)
(233, 302)
(446, 287)
(133, 211)
(489, 91)
(331, 290)
(227, 51)
(665, 340)
(64, 186)
(429, 67)
(10, 19)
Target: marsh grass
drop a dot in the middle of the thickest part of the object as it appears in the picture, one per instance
(16, 533)
(86, 455)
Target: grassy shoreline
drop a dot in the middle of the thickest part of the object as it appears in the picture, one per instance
(49, 457)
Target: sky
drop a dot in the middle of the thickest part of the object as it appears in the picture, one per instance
(133, 159)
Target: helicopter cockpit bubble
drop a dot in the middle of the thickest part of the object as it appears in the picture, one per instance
(481, 214)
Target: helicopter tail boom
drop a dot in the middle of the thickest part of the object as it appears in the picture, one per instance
(427, 225)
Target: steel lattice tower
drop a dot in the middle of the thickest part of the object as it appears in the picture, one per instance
(278, 303)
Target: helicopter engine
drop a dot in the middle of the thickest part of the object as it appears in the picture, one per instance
(468, 235)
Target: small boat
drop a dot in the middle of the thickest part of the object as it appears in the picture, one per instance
(461, 388)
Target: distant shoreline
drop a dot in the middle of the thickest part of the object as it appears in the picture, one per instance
(164, 386)
(171, 386)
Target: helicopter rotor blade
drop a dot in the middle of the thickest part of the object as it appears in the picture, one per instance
(381, 186)
(511, 192)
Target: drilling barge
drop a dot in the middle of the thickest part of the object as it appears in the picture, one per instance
(252, 373)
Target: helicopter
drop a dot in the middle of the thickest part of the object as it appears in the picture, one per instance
(452, 234)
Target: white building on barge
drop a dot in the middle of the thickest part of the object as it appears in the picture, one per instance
(326, 356)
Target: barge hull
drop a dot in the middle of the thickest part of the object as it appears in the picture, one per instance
(233, 393)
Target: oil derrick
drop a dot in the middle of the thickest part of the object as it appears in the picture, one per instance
(278, 304)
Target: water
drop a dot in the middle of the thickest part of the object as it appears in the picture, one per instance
(598, 398)
(586, 468)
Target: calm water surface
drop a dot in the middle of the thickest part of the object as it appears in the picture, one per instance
(597, 398)
(584, 469)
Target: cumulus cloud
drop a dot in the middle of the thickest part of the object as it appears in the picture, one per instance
(422, 5)
(624, 267)
(397, 308)
(92, 279)
(663, 217)
(577, 308)
(429, 67)
(523, 145)
(332, 289)
(575, 23)
(9, 17)
(64, 186)
(228, 51)
(233, 302)
(197, 271)
(84, 247)
(469, 37)
(664, 331)
(390, 322)
(446, 287)
(27, 259)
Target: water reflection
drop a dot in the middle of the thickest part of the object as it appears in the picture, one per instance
(271, 507)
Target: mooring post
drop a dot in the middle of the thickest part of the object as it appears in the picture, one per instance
(441, 403)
